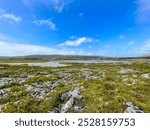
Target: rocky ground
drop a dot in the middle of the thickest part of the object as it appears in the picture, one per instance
(77, 87)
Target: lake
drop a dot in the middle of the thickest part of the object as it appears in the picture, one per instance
(59, 63)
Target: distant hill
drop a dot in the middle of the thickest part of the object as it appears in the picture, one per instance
(44, 58)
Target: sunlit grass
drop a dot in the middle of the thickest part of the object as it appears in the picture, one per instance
(105, 87)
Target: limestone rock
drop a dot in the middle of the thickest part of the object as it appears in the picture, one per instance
(75, 94)
(146, 76)
(132, 108)
(68, 105)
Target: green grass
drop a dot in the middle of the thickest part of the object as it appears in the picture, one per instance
(102, 86)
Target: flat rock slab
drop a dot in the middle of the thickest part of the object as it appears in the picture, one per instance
(75, 94)
(132, 108)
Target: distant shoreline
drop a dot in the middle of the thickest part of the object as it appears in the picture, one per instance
(47, 58)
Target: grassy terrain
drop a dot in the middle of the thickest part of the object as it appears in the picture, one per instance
(105, 87)
(45, 58)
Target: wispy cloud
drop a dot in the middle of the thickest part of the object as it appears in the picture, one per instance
(131, 43)
(20, 49)
(72, 37)
(145, 49)
(57, 5)
(143, 11)
(122, 36)
(10, 48)
(76, 42)
(47, 22)
(9, 16)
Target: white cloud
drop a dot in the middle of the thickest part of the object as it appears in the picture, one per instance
(72, 37)
(90, 53)
(143, 11)
(20, 49)
(131, 43)
(10, 48)
(57, 5)
(122, 36)
(76, 42)
(47, 22)
(9, 17)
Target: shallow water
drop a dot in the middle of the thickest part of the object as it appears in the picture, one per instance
(58, 63)
(95, 61)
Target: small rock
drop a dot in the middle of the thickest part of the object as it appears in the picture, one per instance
(64, 95)
(68, 105)
(146, 76)
(24, 76)
(16, 103)
(75, 94)
(106, 103)
(29, 88)
(3, 92)
(132, 109)
(77, 108)
(123, 71)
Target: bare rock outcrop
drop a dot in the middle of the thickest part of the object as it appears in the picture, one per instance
(132, 108)
(75, 94)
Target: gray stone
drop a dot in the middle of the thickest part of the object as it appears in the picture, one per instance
(64, 95)
(146, 76)
(29, 88)
(106, 103)
(3, 92)
(5, 80)
(17, 102)
(9, 80)
(68, 105)
(75, 94)
(132, 108)
(77, 108)
(123, 71)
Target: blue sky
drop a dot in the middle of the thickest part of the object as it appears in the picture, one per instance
(75, 27)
